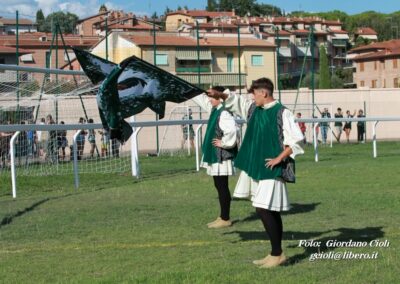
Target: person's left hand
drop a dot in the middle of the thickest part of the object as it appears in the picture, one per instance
(217, 143)
(271, 163)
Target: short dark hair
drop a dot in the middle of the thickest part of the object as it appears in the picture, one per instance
(339, 109)
(262, 83)
(218, 89)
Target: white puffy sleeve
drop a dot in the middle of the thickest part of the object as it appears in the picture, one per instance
(203, 102)
(291, 133)
(228, 126)
(237, 104)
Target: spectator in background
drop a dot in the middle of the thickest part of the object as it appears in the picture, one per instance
(187, 130)
(105, 142)
(22, 145)
(52, 145)
(360, 127)
(303, 127)
(115, 148)
(338, 125)
(5, 138)
(31, 136)
(325, 125)
(62, 141)
(347, 125)
(41, 138)
(80, 140)
(92, 139)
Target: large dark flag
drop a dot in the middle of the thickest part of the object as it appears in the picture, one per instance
(129, 88)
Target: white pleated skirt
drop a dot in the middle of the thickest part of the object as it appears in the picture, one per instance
(269, 194)
(219, 169)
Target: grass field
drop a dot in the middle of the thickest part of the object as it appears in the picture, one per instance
(116, 229)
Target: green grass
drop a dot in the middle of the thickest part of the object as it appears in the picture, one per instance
(116, 229)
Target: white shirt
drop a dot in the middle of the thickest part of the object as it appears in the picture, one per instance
(291, 131)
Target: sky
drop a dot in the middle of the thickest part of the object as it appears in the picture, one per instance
(85, 8)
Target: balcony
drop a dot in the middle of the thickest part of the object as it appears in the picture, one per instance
(193, 69)
(339, 42)
(223, 79)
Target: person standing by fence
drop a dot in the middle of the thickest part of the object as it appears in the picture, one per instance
(360, 127)
(338, 124)
(325, 125)
(347, 125)
(303, 127)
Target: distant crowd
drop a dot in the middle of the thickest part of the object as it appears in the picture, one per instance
(339, 127)
(51, 146)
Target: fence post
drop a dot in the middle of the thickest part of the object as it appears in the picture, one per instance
(134, 150)
(375, 154)
(197, 147)
(315, 141)
(75, 149)
(12, 154)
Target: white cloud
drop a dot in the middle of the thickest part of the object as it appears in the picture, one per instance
(82, 8)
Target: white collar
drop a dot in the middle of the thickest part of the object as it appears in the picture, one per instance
(269, 105)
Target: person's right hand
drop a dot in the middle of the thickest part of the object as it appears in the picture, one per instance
(215, 94)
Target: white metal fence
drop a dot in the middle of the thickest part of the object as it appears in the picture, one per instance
(133, 154)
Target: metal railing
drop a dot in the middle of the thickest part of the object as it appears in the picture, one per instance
(17, 129)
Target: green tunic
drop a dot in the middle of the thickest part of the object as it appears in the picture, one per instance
(209, 151)
(261, 142)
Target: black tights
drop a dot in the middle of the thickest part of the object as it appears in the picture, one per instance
(224, 196)
(272, 222)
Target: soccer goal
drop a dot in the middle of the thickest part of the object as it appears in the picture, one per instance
(42, 96)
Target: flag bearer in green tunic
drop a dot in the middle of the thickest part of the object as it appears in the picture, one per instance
(266, 157)
(219, 150)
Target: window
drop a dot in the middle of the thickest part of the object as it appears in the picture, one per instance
(229, 62)
(257, 60)
(2, 61)
(362, 83)
(396, 83)
(383, 64)
(384, 83)
(375, 65)
(48, 59)
(362, 67)
(374, 83)
(395, 63)
(26, 58)
(162, 59)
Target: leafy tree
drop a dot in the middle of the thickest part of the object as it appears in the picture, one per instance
(211, 5)
(40, 19)
(103, 8)
(306, 82)
(167, 10)
(324, 80)
(67, 22)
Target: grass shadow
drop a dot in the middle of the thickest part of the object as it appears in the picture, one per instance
(345, 234)
(9, 218)
(297, 208)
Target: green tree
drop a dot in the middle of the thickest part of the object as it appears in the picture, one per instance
(167, 10)
(40, 20)
(103, 8)
(306, 82)
(67, 22)
(324, 80)
(211, 5)
(336, 82)
(265, 10)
